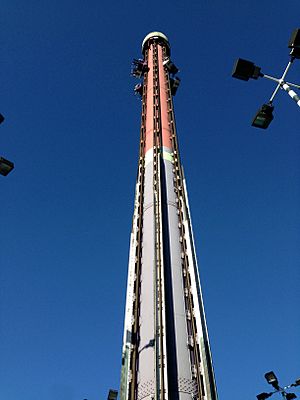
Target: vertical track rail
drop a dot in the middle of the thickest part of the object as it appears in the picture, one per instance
(159, 298)
(138, 254)
(181, 203)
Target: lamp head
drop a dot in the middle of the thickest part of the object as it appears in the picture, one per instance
(112, 395)
(297, 382)
(5, 166)
(263, 396)
(290, 396)
(263, 117)
(272, 379)
(294, 43)
(245, 70)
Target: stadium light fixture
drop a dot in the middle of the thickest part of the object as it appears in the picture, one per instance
(5, 166)
(263, 396)
(245, 70)
(296, 383)
(112, 395)
(290, 396)
(263, 117)
(294, 43)
(272, 379)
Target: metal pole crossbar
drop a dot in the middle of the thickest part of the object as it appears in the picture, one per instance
(291, 93)
(281, 80)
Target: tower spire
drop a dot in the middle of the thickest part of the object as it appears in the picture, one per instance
(166, 352)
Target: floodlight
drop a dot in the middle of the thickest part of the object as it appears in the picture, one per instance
(112, 395)
(263, 396)
(294, 43)
(290, 396)
(272, 380)
(263, 117)
(1, 118)
(295, 39)
(5, 166)
(245, 70)
(297, 382)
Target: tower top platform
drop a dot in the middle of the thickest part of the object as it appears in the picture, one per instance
(155, 35)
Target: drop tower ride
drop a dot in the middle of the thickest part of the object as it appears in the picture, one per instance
(166, 351)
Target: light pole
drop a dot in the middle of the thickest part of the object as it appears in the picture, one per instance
(272, 380)
(246, 70)
(6, 166)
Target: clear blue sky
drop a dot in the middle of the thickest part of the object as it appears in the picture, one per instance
(72, 129)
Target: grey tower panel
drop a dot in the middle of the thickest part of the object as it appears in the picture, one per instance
(146, 384)
(179, 312)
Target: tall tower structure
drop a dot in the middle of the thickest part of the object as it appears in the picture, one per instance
(166, 351)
